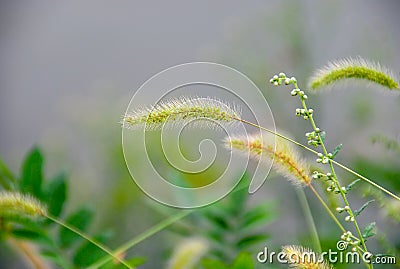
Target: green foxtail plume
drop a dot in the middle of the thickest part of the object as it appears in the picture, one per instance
(14, 204)
(179, 111)
(354, 68)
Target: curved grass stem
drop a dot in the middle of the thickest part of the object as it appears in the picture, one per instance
(97, 244)
(309, 218)
(326, 207)
(134, 241)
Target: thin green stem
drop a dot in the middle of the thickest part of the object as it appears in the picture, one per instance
(366, 179)
(97, 244)
(151, 231)
(309, 218)
(277, 134)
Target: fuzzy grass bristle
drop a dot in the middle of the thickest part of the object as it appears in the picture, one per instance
(286, 160)
(15, 204)
(180, 111)
(353, 68)
(304, 258)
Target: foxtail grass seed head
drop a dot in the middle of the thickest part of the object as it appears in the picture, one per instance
(182, 110)
(188, 253)
(353, 68)
(286, 160)
(17, 204)
(301, 258)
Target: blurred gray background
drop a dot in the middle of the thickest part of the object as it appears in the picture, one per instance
(68, 70)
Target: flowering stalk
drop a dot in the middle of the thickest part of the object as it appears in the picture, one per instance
(316, 138)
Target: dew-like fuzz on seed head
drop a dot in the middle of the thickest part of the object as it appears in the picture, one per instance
(180, 111)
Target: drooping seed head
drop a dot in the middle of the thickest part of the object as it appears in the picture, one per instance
(15, 204)
(286, 160)
(353, 68)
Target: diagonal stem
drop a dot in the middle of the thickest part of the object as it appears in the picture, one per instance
(316, 153)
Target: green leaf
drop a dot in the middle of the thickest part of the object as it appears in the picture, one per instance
(250, 240)
(89, 253)
(336, 150)
(32, 177)
(21, 219)
(56, 194)
(37, 236)
(7, 179)
(217, 220)
(369, 230)
(80, 220)
(351, 185)
(213, 264)
(216, 236)
(51, 254)
(259, 215)
(238, 198)
(361, 209)
(243, 261)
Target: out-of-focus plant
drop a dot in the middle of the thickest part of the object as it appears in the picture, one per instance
(29, 207)
(230, 225)
(288, 162)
